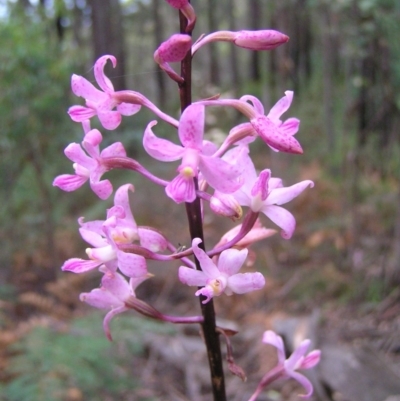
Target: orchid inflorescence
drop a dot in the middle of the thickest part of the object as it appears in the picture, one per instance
(223, 175)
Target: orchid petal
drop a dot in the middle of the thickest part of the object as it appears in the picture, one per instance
(290, 126)
(103, 189)
(94, 225)
(246, 282)
(311, 359)
(109, 119)
(181, 189)
(109, 316)
(208, 148)
(294, 361)
(191, 126)
(100, 298)
(121, 198)
(79, 114)
(160, 149)
(231, 260)
(240, 156)
(152, 240)
(127, 109)
(132, 265)
(75, 153)
(304, 382)
(280, 107)
(76, 265)
(258, 106)
(207, 265)
(91, 141)
(114, 150)
(270, 134)
(282, 218)
(83, 88)
(69, 182)
(93, 238)
(192, 277)
(102, 80)
(117, 285)
(221, 175)
(273, 339)
(280, 196)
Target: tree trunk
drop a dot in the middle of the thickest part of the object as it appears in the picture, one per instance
(108, 37)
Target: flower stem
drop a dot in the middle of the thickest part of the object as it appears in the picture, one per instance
(193, 211)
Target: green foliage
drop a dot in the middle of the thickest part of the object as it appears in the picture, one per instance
(51, 361)
(35, 70)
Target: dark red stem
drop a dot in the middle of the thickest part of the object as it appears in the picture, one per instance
(193, 211)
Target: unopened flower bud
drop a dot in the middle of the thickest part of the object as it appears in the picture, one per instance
(177, 3)
(187, 10)
(226, 205)
(173, 50)
(267, 39)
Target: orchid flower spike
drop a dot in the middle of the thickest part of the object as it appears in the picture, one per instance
(114, 291)
(223, 278)
(89, 166)
(187, 10)
(266, 39)
(196, 155)
(173, 50)
(287, 368)
(99, 102)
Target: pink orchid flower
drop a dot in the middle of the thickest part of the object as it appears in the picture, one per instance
(118, 229)
(112, 294)
(99, 102)
(275, 133)
(265, 194)
(287, 368)
(89, 166)
(196, 156)
(278, 135)
(221, 278)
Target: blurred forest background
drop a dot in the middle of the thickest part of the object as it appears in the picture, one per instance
(342, 61)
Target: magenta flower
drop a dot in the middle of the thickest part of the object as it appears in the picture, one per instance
(223, 278)
(89, 166)
(287, 368)
(196, 156)
(112, 294)
(171, 51)
(265, 194)
(276, 134)
(99, 102)
(118, 229)
(266, 39)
